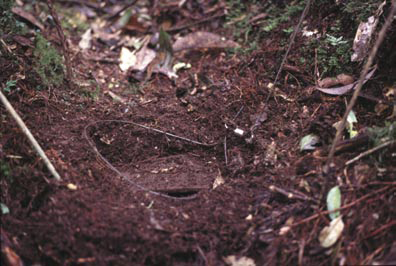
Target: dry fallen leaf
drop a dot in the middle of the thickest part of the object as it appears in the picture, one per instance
(71, 186)
(330, 234)
(343, 79)
(202, 39)
(239, 261)
(29, 17)
(86, 40)
(127, 59)
(218, 181)
(344, 89)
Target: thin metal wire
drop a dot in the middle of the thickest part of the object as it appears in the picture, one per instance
(126, 178)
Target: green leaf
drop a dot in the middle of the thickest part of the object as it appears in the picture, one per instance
(4, 208)
(10, 84)
(351, 119)
(334, 202)
(307, 143)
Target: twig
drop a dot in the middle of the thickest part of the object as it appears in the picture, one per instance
(270, 93)
(301, 252)
(225, 151)
(363, 74)
(382, 228)
(202, 255)
(383, 145)
(182, 27)
(342, 208)
(115, 14)
(69, 73)
(237, 114)
(83, 2)
(292, 38)
(29, 135)
(291, 195)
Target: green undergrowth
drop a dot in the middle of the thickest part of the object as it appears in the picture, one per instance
(48, 62)
(380, 135)
(359, 10)
(237, 19)
(333, 52)
(5, 170)
(8, 23)
(279, 15)
(336, 23)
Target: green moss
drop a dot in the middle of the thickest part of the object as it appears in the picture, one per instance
(277, 16)
(360, 10)
(48, 62)
(8, 23)
(5, 170)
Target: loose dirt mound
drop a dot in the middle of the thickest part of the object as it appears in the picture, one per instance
(171, 174)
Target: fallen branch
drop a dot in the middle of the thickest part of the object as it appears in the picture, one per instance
(29, 135)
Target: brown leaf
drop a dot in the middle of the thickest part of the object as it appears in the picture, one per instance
(29, 17)
(344, 89)
(202, 39)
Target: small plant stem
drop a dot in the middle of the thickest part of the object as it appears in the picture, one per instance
(363, 74)
(29, 135)
(292, 38)
(69, 73)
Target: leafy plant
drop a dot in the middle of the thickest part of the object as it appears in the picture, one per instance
(333, 54)
(6, 17)
(8, 23)
(4, 169)
(333, 201)
(360, 10)
(10, 84)
(285, 15)
(49, 64)
(238, 18)
(334, 41)
(379, 135)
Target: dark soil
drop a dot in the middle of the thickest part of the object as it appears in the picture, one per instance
(146, 196)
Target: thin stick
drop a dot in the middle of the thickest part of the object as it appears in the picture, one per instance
(353, 203)
(383, 145)
(304, 13)
(225, 151)
(291, 195)
(182, 27)
(29, 135)
(366, 68)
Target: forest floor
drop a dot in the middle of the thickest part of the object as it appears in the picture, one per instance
(202, 169)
